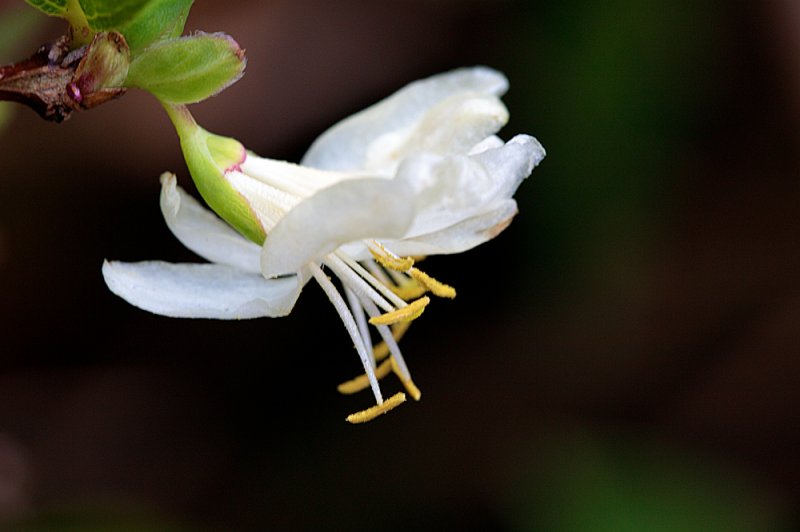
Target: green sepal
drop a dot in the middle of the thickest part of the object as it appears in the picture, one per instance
(188, 69)
(208, 157)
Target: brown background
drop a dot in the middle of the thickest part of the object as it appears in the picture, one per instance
(626, 356)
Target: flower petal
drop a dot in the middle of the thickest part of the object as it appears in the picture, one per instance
(511, 163)
(458, 237)
(451, 189)
(201, 290)
(350, 210)
(201, 231)
(346, 145)
(453, 126)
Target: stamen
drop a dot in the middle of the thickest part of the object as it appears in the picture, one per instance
(358, 312)
(438, 288)
(411, 388)
(349, 324)
(356, 283)
(389, 260)
(362, 382)
(409, 289)
(371, 413)
(377, 272)
(395, 361)
(381, 350)
(407, 313)
(389, 365)
(399, 283)
(380, 286)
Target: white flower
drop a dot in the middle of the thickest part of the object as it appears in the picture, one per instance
(419, 173)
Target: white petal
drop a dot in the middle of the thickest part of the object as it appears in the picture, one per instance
(201, 231)
(453, 126)
(351, 210)
(295, 179)
(273, 187)
(455, 188)
(511, 163)
(492, 141)
(459, 237)
(345, 146)
(200, 290)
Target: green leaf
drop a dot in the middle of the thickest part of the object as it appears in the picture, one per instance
(56, 8)
(70, 10)
(142, 22)
(110, 14)
(188, 69)
(158, 20)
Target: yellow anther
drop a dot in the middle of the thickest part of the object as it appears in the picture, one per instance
(381, 350)
(371, 413)
(436, 287)
(404, 314)
(409, 290)
(389, 260)
(362, 382)
(411, 388)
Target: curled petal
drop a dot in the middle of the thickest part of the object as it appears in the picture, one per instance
(452, 126)
(458, 187)
(203, 232)
(200, 290)
(492, 141)
(458, 237)
(511, 163)
(350, 210)
(346, 145)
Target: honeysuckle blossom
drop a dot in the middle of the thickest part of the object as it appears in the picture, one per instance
(419, 173)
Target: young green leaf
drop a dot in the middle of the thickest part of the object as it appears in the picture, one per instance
(56, 8)
(70, 10)
(188, 69)
(110, 14)
(156, 21)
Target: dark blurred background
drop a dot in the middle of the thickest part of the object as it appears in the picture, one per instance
(626, 356)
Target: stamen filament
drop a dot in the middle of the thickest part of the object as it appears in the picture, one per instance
(361, 382)
(349, 324)
(398, 277)
(381, 350)
(376, 283)
(358, 312)
(371, 413)
(411, 388)
(390, 338)
(377, 272)
(356, 283)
